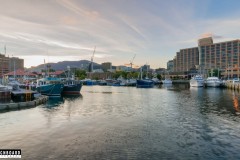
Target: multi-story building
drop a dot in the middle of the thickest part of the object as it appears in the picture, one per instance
(16, 63)
(4, 65)
(209, 55)
(106, 66)
(222, 56)
(170, 66)
(10, 64)
(187, 59)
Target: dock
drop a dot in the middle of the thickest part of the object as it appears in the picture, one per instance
(21, 105)
(232, 85)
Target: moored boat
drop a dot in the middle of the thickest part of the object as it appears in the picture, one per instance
(144, 83)
(197, 81)
(156, 80)
(213, 82)
(167, 81)
(50, 86)
(131, 82)
(71, 87)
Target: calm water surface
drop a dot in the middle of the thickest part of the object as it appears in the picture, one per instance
(169, 122)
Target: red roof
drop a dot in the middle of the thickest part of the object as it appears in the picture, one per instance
(20, 72)
(56, 73)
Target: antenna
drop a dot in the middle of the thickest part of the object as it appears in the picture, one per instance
(5, 50)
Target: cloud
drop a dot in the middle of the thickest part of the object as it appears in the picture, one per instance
(70, 28)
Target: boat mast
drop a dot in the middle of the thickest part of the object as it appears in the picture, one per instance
(14, 70)
(141, 72)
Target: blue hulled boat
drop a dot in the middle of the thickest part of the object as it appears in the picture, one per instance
(50, 86)
(144, 83)
(71, 87)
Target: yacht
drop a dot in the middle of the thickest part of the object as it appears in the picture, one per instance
(197, 81)
(167, 81)
(213, 82)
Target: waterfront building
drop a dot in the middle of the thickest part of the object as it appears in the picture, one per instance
(224, 56)
(15, 63)
(146, 68)
(186, 59)
(4, 65)
(160, 70)
(123, 68)
(170, 66)
(106, 66)
(20, 74)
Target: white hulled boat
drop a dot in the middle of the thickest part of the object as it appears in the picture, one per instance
(167, 81)
(213, 82)
(197, 81)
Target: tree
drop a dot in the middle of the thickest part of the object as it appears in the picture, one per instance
(159, 76)
(80, 74)
(214, 73)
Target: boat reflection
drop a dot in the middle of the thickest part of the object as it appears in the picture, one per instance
(54, 102)
(73, 97)
(166, 85)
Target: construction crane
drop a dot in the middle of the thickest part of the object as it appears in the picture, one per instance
(91, 70)
(131, 61)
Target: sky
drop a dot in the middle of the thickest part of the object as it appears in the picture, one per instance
(154, 30)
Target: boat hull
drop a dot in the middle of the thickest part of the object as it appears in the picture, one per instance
(167, 81)
(145, 84)
(51, 89)
(213, 84)
(72, 89)
(195, 83)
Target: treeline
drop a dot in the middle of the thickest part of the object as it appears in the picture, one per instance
(82, 74)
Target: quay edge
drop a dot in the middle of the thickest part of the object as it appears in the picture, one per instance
(180, 81)
(233, 86)
(20, 105)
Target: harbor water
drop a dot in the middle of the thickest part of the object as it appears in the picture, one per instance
(166, 122)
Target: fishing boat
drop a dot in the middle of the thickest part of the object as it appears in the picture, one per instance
(213, 82)
(144, 83)
(50, 86)
(197, 81)
(71, 85)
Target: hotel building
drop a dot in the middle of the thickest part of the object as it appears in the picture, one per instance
(224, 56)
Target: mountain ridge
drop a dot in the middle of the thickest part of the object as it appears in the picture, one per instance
(62, 65)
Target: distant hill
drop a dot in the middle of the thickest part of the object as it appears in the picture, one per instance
(82, 64)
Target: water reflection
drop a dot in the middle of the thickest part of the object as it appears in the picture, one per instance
(235, 102)
(73, 97)
(54, 102)
(167, 86)
(129, 123)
